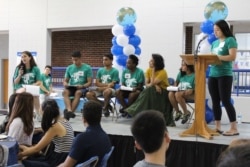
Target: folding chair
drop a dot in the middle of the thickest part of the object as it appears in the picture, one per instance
(89, 163)
(106, 157)
(190, 103)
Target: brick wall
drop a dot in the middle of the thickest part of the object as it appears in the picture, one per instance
(92, 43)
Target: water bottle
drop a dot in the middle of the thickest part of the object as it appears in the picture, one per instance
(239, 118)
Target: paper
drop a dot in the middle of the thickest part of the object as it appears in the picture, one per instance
(3, 136)
(126, 88)
(34, 90)
(173, 88)
(53, 94)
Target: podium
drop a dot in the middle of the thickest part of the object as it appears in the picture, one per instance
(199, 126)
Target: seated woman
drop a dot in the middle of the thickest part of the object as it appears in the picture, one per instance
(132, 77)
(20, 124)
(58, 131)
(155, 96)
(185, 82)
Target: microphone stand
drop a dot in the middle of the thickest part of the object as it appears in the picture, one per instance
(197, 49)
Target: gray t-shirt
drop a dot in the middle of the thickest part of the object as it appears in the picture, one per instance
(146, 164)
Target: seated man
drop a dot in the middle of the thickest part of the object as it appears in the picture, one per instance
(132, 77)
(106, 79)
(93, 142)
(151, 136)
(78, 77)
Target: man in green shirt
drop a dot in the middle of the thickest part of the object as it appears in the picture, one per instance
(106, 79)
(78, 77)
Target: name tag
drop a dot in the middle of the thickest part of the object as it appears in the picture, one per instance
(127, 76)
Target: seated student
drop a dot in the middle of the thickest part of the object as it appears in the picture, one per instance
(235, 156)
(155, 95)
(7, 117)
(20, 125)
(151, 136)
(78, 77)
(185, 82)
(132, 77)
(106, 79)
(57, 131)
(93, 142)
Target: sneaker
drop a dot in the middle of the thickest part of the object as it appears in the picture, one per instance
(178, 116)
(185, 117)
(122, 110)
(65, 113)
(105, 112)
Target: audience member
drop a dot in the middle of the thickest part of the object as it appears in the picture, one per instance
(155, 96)
(20, 125)
(132, 77)
(57, 132)
(7, 117)
(235, 156)
(226, 48)
(106, 79)
(185, 82)
(27, 73)
(78, 77)
(46, 85)
(151, 136)
(93, 142)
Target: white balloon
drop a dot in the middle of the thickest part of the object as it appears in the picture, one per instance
(122, 40)
(128, 50)
(117, 30)
(205, 47)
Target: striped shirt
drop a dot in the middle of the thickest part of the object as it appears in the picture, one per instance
(63, 144)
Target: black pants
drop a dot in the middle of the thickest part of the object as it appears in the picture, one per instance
(220, 90)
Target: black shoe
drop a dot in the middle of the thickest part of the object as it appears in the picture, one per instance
(106, 113)
(122, 110)
(185, 118)
(71, 114)
(65, 113)
(110, 108)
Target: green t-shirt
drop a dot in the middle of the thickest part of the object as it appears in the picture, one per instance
(47, 81)
(107, 76)
(186, 81)
(132, 79)
(30, 77)
(78, 75)
(221, 48)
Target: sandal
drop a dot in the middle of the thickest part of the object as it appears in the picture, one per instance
(219, 131)
(228, 133)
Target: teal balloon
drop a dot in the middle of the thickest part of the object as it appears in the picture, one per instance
(126, 16)
(216, 10)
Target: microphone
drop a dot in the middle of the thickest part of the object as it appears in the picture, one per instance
(204, 37)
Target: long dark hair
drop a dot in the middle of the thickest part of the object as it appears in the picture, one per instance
(158, 61)
(224, 27)
(50, 114)
(23, 107)
(32, 62)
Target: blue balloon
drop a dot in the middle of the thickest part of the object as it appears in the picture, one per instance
(207, 27)
(114, 40)
(122, 60)
(211, 38)
(116, 50)
(129, 29)
(137, 50)
(134, 40)
(209, 116)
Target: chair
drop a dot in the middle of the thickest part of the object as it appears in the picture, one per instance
(4, 153)
(89, 163)
(106, 157)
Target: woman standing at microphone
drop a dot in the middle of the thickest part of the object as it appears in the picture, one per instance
(221, 76)
(27, 73)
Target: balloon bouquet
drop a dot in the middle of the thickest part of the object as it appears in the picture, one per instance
(214, 11)
(126, 40)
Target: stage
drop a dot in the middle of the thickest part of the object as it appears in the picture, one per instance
(183, 151)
